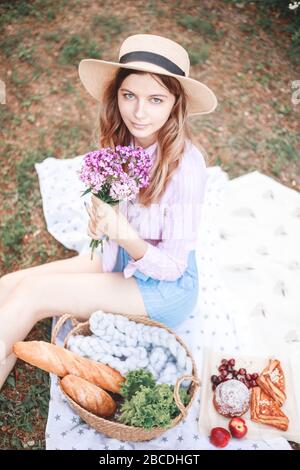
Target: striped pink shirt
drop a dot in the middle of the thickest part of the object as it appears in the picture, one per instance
(170, 227)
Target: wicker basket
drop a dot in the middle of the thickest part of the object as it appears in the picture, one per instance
(112, 428)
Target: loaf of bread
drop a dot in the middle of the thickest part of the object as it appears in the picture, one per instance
(60, 361)
(89, 396)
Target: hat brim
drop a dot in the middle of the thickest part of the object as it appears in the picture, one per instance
(95, 74)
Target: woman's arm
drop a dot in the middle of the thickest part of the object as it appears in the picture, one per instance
(135, 246)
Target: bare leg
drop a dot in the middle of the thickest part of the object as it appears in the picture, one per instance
(75, 264)
(8, 283)
(41, 296)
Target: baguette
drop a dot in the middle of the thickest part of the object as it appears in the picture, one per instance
(89, 396)
(61, 361)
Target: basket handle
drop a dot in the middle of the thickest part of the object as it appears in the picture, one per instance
(176, 391)
(60, 323)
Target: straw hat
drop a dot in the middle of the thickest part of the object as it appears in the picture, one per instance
(155, 54)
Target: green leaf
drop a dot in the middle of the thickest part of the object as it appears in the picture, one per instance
(148, 406)
(11, 381)
(134, 381)
(86, 192)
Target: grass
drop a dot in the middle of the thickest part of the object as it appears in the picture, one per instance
(199, 55)
(6, 116)
(111, 25)
(30, 100)
(53, 36)
(26, 54)
(18, 81)
(264, 20)
(12, 233)
(67, 138)
(21, 417)
(10, 43)
(76, 47)
(283, 147)
(17, 222)
(22, 10)
(199, 25)
(26, 179)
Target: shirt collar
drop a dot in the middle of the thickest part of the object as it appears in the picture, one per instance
(150, 149)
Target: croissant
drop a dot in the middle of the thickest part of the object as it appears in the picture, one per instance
(60, 361)
(88, 395)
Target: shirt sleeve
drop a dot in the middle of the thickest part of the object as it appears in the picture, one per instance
(169, 258)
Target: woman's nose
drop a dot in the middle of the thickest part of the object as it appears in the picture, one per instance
(140, 110)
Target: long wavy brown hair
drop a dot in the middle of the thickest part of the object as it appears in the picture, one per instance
(170, 139)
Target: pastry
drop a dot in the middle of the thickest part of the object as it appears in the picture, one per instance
(271, 380)
(231, 398)
(265, 410)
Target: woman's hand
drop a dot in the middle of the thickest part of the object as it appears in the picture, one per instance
(106, 219)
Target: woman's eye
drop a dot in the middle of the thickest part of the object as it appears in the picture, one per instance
(158, 100)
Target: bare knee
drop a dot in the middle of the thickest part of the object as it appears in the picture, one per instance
(20, 307)
(8, 282)
(29, 285)
(27, 294)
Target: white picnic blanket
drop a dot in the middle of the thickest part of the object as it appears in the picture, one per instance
(249, 267)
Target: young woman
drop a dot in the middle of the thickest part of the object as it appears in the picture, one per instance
(148, 266)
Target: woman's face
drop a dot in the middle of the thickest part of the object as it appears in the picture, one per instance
(142, 100)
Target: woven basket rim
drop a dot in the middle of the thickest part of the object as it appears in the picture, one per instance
(140, 432)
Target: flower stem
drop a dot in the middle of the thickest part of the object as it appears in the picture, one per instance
(95, 243)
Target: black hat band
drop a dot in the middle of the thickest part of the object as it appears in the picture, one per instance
(153, 58)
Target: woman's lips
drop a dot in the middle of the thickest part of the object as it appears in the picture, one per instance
(139, 126)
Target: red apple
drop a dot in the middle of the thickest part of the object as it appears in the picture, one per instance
(219, 437)
(237, 427)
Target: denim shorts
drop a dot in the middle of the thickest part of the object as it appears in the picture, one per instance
(168, 302)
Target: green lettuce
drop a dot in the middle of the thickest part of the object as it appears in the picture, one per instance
(148, 404)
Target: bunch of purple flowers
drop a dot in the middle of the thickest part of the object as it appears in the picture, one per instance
(115, 175)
